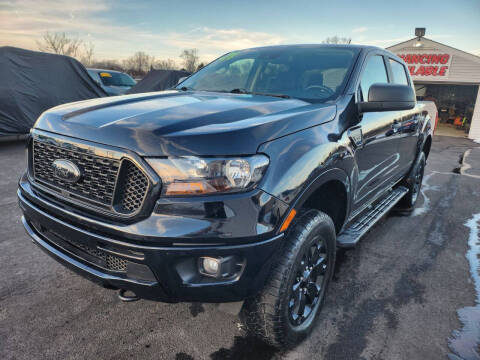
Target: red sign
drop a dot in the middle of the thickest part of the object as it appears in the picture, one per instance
(427, 64)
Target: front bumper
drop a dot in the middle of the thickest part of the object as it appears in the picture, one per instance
(163, 270)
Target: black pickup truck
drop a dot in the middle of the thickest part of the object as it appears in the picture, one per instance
(237, 185)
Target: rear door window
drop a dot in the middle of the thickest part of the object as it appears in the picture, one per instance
(398, 71)
(374, 72)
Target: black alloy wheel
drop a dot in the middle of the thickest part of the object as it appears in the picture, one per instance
(284, 312)
(309, 282)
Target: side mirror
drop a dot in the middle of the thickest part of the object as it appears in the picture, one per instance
(181, 79)
(388, 97)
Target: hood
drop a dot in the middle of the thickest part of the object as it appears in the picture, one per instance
(180, 123)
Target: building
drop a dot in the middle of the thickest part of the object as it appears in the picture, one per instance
(448, 76)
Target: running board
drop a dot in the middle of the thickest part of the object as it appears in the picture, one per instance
(351, 235)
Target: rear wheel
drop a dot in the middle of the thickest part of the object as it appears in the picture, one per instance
(285, 311)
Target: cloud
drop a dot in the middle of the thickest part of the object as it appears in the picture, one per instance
(386, 42)
(217, 41)
(359, 30)
(22, 23)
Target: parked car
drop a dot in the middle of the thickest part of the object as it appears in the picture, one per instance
(113, 82)
(238, 185)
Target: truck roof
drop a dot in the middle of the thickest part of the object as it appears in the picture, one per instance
(348, 46)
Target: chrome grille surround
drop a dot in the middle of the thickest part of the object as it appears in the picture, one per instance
(113, 183)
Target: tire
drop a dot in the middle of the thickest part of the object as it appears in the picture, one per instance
(271, 314)
(414, 184)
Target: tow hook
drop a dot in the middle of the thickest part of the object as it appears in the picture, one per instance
(122, 295)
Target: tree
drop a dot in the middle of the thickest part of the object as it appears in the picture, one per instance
(201, 65)
(337, 40)
(190, 59)
(107, 64)
(87, 54)
(167, 64)
(59, 43)
(139, 63)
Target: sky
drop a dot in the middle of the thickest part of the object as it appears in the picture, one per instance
(163, 29)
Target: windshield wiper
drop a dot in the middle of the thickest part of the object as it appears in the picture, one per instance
(239, 91)
(243, 91)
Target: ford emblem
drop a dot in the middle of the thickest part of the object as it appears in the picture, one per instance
(66, 170)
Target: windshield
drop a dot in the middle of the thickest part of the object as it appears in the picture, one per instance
(311, 73)
(116, 79)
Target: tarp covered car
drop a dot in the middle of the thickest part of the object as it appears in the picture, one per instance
(32, 82)
(158, 80)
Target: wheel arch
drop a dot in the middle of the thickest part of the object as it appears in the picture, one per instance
(427, 145)
(329, 193)
(425, 142)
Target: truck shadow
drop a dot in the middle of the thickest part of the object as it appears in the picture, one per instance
(247, 347)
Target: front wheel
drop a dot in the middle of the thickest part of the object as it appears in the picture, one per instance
(284, 313)
(414, 185)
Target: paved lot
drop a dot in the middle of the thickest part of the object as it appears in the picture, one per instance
(395, 296)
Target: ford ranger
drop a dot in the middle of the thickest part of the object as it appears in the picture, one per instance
(237, 185)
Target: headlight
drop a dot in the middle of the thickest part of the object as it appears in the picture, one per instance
(191, 175)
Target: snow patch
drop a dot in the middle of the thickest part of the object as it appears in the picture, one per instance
(465, 342)
(426, 200)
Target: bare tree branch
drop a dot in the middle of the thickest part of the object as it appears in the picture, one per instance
(139, 63)
(87, 54)
(167, 64)
(59, 43)
(190, 59)
(107, 64)
(337, 40)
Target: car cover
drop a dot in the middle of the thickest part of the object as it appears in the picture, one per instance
(157, 80)
(32, 82)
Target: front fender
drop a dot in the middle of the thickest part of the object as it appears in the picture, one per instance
(302, 162)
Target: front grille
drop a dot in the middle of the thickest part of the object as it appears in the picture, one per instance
(116, 264)
(132, 188)
(98, 174)
(118, 186)
(112, 262)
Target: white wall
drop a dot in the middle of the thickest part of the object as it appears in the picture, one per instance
(464, 69)
(475, 126)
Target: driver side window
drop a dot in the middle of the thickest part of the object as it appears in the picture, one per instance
(374, 72)
(230, 76)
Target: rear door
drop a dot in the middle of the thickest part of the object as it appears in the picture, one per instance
(377, 155)
(406, 122)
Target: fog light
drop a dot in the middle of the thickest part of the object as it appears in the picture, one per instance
(224, 268)
(211, 265)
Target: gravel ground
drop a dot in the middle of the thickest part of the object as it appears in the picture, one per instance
(395, 296)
